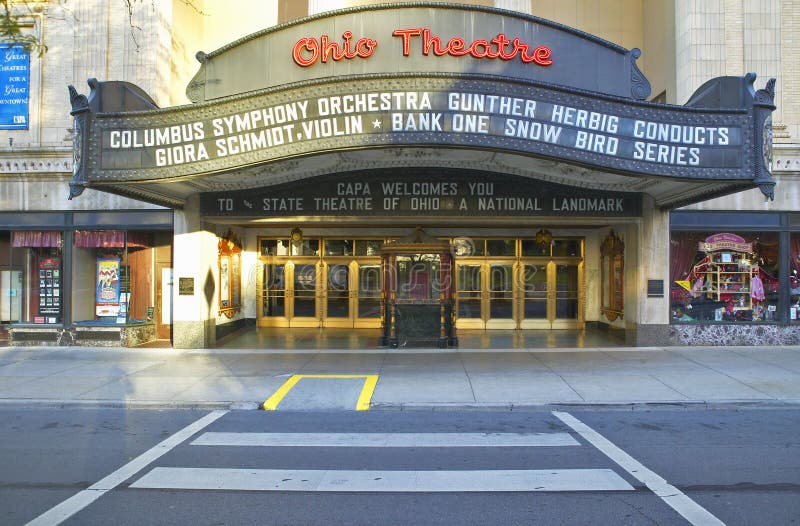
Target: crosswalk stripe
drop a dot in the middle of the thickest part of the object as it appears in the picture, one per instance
(675, 498)
(382, 481)
(386, 439)
(66, 509)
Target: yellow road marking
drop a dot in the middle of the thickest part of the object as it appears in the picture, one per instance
(271, 404)
(370, 382)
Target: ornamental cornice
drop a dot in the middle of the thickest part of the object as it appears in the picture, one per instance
(36, 161)
(786, 158)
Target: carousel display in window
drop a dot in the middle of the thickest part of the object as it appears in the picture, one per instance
(727, 284)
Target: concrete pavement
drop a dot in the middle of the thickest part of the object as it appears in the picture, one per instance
(406, 379)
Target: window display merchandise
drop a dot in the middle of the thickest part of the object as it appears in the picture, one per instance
(731, 278)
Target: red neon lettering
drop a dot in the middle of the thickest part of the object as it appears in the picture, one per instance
(498, 47)
(542, 56)
(307, 51)
(483, 53)
(309, 45)
(406, 34)
(456, 47)
(501, 41)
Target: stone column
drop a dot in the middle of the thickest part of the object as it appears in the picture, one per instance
(652, 261)
(194, 262)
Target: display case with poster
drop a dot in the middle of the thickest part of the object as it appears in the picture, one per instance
(49, 289)
(107, 293)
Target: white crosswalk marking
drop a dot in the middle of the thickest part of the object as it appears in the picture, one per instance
(382, 481)
(386, 439)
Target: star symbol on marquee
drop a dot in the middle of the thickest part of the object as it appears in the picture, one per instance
(376, 124)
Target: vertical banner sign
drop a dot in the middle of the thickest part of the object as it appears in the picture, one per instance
(14, 82)
(107, 293)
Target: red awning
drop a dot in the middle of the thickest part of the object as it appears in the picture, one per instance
(37, 239)
(111, 239)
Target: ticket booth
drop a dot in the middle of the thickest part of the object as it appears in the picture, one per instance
(418, 293)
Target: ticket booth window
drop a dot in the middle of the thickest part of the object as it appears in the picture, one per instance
(419, 304)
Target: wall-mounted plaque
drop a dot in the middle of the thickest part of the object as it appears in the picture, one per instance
(186, 286)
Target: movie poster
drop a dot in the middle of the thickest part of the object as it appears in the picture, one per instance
(107, 293)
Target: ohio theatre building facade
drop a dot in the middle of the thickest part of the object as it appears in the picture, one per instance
(425, 169)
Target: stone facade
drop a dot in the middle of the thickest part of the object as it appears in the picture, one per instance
(684, 43)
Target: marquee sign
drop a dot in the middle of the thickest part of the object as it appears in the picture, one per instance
(121, 137)
(421, 37)
(434, 193)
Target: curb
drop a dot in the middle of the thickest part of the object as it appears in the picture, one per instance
(421, 407)
(595, 406)
(129, 404)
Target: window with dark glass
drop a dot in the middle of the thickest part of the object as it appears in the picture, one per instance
(501, 247)
(368, 247)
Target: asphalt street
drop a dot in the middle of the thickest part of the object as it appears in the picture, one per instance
(115, 466)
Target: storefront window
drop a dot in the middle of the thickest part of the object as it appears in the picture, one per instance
(112, 276)
(31, 268)
(724, 277)
(794, 278)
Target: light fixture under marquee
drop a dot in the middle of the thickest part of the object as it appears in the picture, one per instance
(296, 236)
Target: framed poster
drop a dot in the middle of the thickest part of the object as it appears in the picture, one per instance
(224, 281)
(107, 287)
(229, 264)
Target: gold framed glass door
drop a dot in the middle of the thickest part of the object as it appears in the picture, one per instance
(536, 309)
(551, 294)
(519, 284)
(485, 295)
(289, 296)
(273, 311)
(320, 283)
(352, 294)
(304, 296)
(567, 281)
(469, 296)
(337, 299)
(501, 311)
(367, 301)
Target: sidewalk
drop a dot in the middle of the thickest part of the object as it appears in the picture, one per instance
(407, 379)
